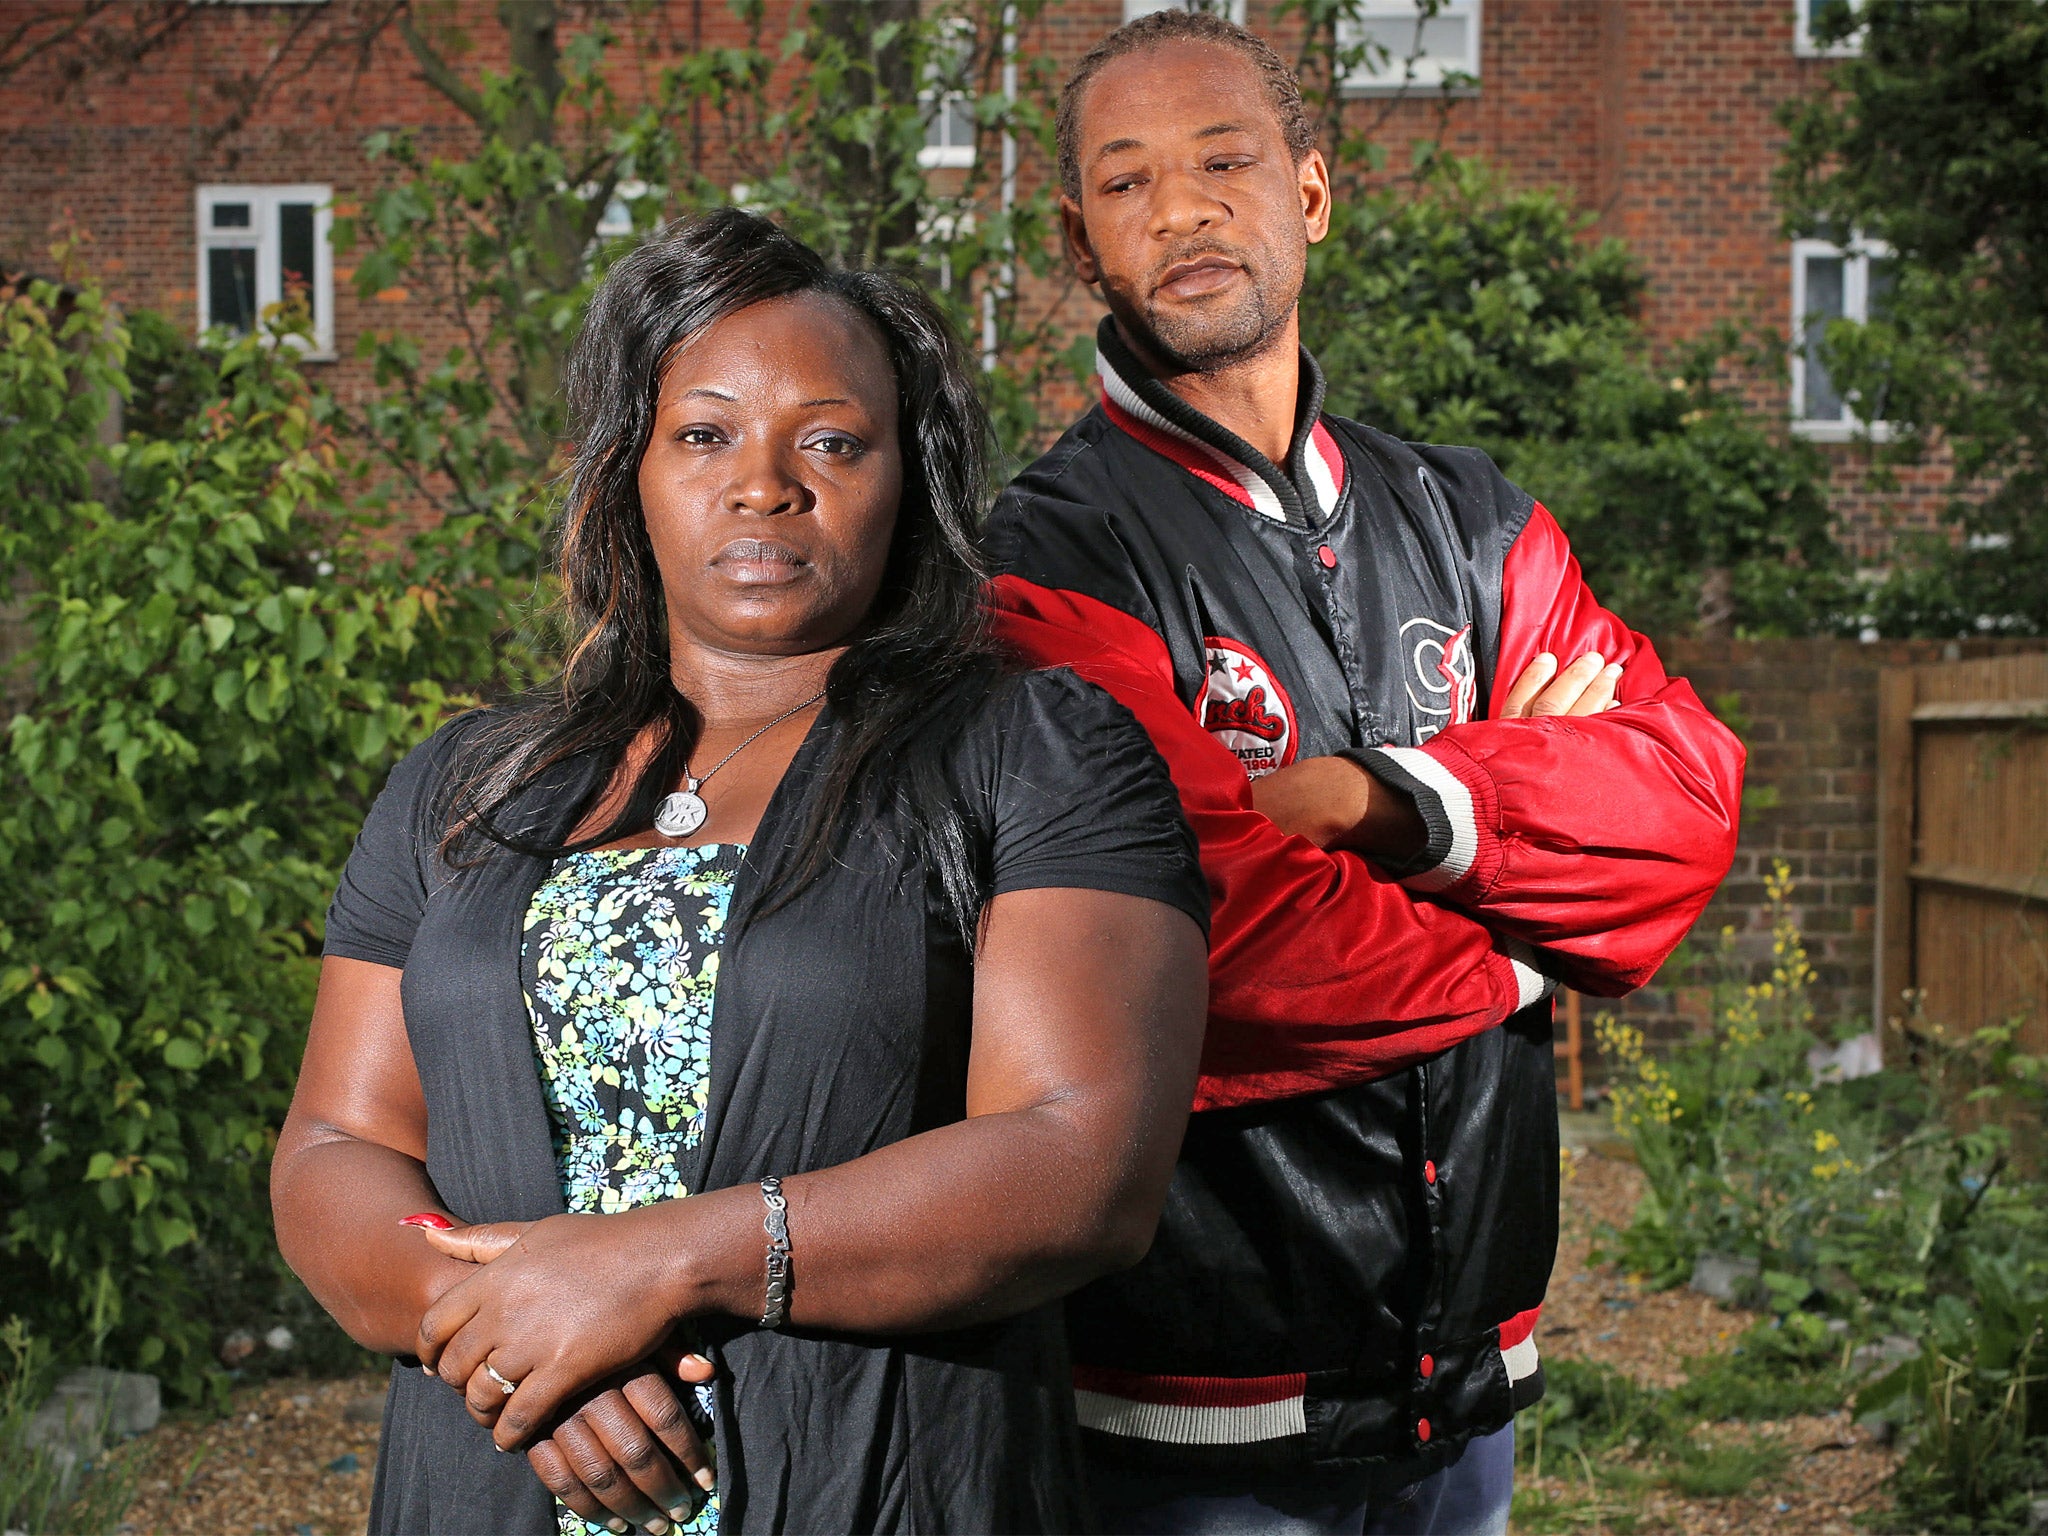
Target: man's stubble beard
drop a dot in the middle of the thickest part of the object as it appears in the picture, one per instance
(1211, 340)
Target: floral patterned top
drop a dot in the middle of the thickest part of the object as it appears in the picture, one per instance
(621, 960)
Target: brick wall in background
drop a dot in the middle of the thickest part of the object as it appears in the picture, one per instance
(1658, 117)
(1807, 709)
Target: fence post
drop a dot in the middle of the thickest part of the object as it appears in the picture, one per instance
(1895, 794)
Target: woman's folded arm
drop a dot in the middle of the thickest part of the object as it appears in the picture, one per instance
(351, 1162)
(1088, 1016)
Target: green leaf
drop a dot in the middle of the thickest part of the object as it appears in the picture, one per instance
(184, 1055)
(310, 640)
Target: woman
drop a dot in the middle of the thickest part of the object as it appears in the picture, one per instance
(786, 880)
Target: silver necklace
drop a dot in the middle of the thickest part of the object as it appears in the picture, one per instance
(683, 812)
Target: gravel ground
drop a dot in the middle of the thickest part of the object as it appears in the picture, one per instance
(295, 1457)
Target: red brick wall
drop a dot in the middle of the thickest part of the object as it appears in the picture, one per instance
(1656, 116)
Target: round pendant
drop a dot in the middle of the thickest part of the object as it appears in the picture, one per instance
(680, 814)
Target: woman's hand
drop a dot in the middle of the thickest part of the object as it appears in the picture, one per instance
(606, 1462)
(554, 1307)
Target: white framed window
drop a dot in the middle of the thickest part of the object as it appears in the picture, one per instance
(1232, 10)
(949, 130)
(1411, 45)
(255, 243)
(616, 222)
(1807, 18)
(941, 229)
(947, 102)
(1832, 281)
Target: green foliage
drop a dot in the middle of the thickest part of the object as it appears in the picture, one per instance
(225, 659)
(1453, 311)
(56, 376)
(1934, 139)
(1854, 1189)
(1891, 1201)
(35, 1494)
(1614, 1435)
(833, 156)
(1978, 1394)
(506, 241)
(1703, 1471)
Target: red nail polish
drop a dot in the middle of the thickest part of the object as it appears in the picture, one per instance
(432, 1219)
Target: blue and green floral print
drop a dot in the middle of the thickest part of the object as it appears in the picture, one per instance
(621, 961)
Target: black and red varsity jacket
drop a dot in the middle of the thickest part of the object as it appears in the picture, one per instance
(1362, 1224)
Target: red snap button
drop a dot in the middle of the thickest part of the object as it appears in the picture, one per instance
(1328, 556)
(1426, 1365)
(1428, 1172)
(1422, 1430)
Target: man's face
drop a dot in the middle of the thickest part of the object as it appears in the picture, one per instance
(1194, 216)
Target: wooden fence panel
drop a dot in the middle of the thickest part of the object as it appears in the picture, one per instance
(1963, 843)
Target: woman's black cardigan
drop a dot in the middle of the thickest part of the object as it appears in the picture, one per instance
(840, 1024)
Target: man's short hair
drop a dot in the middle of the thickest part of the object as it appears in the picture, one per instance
(1180, 26)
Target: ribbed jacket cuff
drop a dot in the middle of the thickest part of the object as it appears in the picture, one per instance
(1456, 801)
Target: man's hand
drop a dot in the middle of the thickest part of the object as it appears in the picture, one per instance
(1586, 687)
(1334, 803)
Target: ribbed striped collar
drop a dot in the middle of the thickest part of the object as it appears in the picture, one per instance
(1302, 496)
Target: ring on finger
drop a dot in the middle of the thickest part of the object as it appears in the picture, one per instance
(507, 1387)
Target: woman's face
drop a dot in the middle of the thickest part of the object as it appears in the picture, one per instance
(772, 477)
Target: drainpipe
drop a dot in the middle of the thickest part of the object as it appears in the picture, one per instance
(1006, 277)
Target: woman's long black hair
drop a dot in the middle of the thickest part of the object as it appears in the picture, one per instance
(917, 668)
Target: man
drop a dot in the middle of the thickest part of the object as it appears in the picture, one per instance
(1343, 645)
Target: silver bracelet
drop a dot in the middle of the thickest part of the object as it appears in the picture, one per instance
(775, 1311)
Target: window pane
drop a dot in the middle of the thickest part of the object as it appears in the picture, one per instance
(1232, 9)
(1820, 12)
(1884, 275)
(1823, 303)
(959, 119)
(1443, 40)
(1398, 35)
(1433, 44)
(231, 287)
(230, 215)
(295, 252)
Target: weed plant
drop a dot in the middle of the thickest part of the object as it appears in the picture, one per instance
(1610, 1438)
(36, 1495)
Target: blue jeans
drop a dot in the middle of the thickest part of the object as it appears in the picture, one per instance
(1469, 1497)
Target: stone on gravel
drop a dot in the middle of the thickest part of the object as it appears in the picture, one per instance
(1724, 1277)
(368, 1409)
(1869, 1359)
(89, 1409)
(128, 1402)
